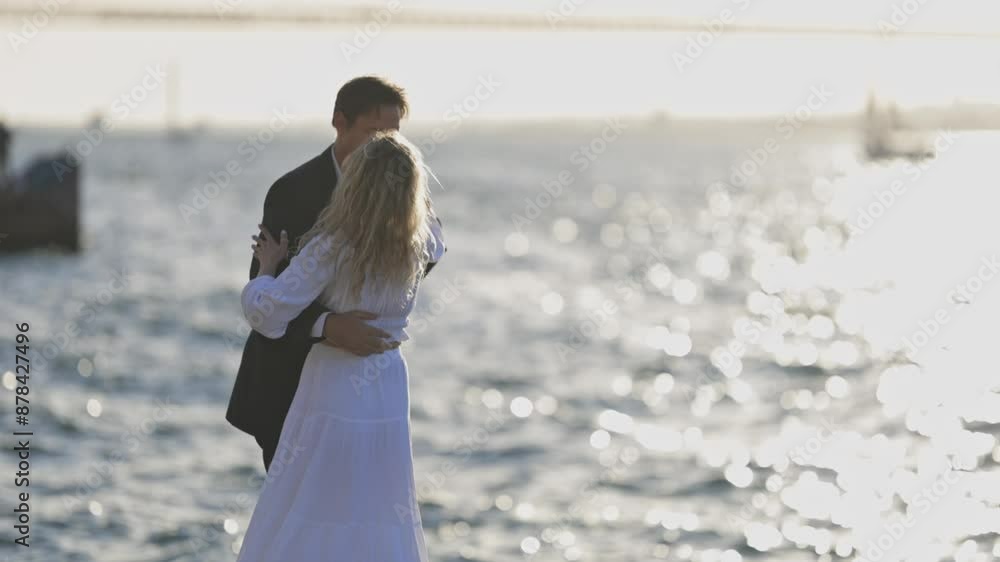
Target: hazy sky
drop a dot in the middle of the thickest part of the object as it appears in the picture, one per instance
(953, 14)
(73, 69)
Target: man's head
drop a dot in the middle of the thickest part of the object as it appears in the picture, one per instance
(364, 106)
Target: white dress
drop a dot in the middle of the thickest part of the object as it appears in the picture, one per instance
(340, 487)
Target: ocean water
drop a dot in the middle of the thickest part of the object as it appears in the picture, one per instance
(631, 351)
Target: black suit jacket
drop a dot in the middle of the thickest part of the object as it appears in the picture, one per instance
(270, 368)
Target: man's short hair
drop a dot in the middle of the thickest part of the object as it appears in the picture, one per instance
(366, 93)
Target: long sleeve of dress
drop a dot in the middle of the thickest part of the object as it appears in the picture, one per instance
(270, 303)
(435, 244)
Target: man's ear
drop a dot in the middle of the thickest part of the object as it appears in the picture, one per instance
(339, 121)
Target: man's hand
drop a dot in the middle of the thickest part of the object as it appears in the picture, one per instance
(350, 331)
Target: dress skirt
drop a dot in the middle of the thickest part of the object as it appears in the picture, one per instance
(341, 487)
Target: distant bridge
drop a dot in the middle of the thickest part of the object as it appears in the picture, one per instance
(415, 18)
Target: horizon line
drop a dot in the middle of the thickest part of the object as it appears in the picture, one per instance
(425, 18)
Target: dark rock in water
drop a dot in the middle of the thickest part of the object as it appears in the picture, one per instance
(40, 208)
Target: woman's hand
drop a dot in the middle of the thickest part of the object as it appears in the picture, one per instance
(268, 252)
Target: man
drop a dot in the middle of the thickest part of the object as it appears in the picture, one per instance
(270, 369)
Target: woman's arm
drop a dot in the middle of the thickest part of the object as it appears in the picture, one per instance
(270, 303)
(277, 206)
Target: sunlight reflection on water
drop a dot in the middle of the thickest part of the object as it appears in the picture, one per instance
(682, 372)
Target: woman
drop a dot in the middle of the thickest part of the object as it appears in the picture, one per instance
(341, 485)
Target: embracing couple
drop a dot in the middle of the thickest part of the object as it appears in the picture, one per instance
(323, 387)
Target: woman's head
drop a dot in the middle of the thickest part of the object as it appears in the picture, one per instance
(378, 212)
